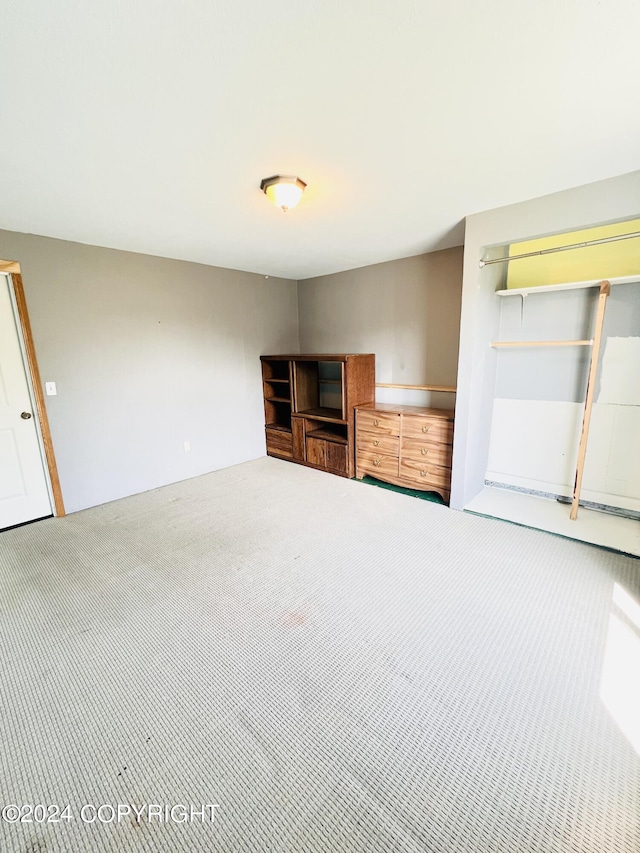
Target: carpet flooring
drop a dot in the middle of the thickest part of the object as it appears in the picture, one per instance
(334, 667)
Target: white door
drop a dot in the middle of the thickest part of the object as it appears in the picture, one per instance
(23, 485)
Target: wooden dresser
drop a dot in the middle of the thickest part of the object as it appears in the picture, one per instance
(406, 445)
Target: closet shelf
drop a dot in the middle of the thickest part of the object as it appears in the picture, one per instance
(570, 285)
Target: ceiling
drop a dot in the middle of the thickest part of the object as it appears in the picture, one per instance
(147, 124)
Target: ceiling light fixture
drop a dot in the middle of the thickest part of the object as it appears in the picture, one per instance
(285, 191)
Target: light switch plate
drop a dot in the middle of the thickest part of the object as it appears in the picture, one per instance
(50, 388)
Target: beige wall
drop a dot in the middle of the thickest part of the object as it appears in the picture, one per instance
(407, 312)
(148, 353)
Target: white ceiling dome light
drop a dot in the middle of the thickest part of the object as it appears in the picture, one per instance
(285, 191)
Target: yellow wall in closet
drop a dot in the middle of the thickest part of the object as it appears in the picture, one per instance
(607, 260)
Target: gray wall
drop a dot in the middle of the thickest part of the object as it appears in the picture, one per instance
(593, 204)
(148, 353)
(556, 373)
(559, 373)
(407, 312)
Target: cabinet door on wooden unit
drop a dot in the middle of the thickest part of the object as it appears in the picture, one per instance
(327, 454)
(316, 452)
(337, 457)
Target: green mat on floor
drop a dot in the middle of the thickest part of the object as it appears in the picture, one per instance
(434, 497)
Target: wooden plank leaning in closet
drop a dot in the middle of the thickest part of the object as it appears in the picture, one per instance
(605, 289)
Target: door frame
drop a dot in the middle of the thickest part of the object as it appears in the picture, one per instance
(31, 365)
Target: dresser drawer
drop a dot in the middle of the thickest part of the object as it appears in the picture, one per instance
(279, 443)
(376, 464)
(435, 430)
(384, 423)
(426, 452)
(376, 443)
(424, 473)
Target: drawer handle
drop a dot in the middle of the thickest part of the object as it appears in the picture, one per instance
(423, 473)
(426, 428)
(376, 423)
(424, 451)
(376, 443)
(376, 462)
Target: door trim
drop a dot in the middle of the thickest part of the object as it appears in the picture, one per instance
(15, 278)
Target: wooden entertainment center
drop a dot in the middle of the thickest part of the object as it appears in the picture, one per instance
(309, 406)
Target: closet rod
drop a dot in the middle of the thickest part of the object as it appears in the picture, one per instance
(560, 249)
(540, 343)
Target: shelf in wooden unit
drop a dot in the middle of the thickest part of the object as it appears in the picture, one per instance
(278, 400)
(277, 380)
(327, 435)
(323, 414)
